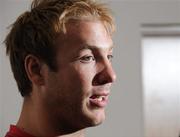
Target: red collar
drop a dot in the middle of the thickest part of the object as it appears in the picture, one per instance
(14, 131)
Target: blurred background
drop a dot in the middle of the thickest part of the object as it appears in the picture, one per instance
(145, 100)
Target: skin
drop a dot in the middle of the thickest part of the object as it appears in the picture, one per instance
(59, 103)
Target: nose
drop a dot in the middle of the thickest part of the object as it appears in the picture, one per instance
(105, 75)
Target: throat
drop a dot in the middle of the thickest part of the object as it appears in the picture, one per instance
(79, 133)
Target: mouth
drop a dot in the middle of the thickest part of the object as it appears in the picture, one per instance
(99, 100)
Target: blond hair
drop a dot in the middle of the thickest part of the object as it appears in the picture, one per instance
(76, 10)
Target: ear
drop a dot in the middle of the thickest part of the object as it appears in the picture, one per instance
(33, 67)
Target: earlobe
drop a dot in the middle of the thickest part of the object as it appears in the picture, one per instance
(33, 66)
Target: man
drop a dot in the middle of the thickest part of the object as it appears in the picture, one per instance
(60, 53)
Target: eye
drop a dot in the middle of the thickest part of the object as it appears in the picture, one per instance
(110, 57)
(87, 59)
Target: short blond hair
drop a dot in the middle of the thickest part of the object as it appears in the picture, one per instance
(66, 10)
(35, 32)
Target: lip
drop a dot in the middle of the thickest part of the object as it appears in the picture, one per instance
(100, 101)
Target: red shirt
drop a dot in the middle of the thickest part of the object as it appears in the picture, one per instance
(16, 132)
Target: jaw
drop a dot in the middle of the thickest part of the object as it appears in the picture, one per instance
(94, 115)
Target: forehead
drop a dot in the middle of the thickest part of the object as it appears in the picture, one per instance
(79, 34)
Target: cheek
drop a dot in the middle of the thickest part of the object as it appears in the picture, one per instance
(72, 82)
(85, 75)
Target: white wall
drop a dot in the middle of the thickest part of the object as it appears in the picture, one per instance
(125, 111)
(0, 74)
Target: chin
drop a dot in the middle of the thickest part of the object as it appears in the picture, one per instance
(92, 115)
(98, 118)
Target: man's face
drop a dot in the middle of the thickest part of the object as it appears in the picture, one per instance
(76, 95)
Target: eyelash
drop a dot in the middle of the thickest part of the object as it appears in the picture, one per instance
(88, 59)
(110, 57)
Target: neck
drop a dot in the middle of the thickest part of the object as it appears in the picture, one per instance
(33, 122)
(76, 134)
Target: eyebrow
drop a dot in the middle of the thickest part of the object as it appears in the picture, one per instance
(93, 47)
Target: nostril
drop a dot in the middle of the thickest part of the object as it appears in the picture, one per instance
(104, 81)
(103, 78)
